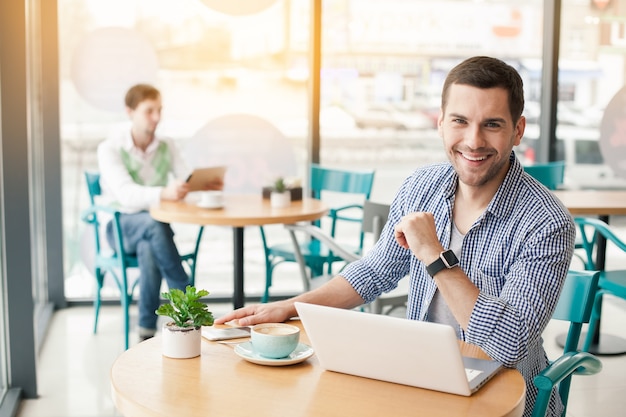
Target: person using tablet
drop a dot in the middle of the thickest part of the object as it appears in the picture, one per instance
(486, 246)
(137, 169)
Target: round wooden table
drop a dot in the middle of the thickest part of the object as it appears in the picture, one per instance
(219, 383)
(239, 211)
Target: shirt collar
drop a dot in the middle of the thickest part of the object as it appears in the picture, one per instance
(129, 146)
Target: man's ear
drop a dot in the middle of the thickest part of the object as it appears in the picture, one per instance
(520, 127)
(440, 122)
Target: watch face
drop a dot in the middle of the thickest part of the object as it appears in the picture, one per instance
(450, 258)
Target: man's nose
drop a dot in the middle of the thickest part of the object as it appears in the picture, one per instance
(474, 137)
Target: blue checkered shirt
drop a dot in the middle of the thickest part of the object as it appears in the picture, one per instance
(517, 253)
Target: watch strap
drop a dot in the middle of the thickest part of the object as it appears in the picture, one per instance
(446, 260)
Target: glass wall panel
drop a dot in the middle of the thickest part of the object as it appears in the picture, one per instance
(591, 94)
(384, 62)
(234, 87)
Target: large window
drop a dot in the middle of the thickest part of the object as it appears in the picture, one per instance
(383, 64)
(234, 90)
(590, 98)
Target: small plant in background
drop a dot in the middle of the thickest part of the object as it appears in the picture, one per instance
(279, 185)
(185, 308)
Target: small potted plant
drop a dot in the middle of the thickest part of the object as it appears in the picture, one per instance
(280, 196)
(182, 336)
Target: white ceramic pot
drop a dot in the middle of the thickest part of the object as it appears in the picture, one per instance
(278, 200)
(181, 342)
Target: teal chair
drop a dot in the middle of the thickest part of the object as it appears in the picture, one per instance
(550, 174)
(374, 219)
(347, 182)
(117, 262)
(575, 305)
(611, 282)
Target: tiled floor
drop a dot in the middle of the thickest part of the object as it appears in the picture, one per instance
(74, 364)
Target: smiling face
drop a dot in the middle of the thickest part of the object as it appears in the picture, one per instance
(479, 133)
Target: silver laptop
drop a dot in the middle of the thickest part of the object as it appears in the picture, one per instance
(409, 352)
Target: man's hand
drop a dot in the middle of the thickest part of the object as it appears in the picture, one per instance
(275, 312)
(417, 232)
(215, 184)
(176, 190)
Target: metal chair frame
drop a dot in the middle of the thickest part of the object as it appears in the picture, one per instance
(317, 257)
(116, 262)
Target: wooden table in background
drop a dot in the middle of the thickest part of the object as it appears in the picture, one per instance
(238, 212)
(219, 383)
(593, 202)
(603, 204)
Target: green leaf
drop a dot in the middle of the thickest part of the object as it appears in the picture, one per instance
(185, 309)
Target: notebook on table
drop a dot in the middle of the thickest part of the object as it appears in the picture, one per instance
(421, 354)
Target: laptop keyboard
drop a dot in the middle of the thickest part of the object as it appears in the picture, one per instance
(472, 373)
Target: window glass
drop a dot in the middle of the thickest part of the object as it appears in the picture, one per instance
(234, 89)
(383, 64)
(590, 111)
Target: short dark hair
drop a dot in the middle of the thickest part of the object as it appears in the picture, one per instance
(487, 72)
(140, 92)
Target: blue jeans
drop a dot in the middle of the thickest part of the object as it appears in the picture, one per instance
(157, 255)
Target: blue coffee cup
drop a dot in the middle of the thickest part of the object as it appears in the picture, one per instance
(274, 340)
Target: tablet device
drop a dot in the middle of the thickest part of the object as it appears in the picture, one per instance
(200, 177)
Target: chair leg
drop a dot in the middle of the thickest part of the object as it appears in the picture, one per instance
(194, 261)
(376, 306)
(125, 309)
(126, 296)
(269, 269)
(97, 300)
(593, 321)
(192, 272)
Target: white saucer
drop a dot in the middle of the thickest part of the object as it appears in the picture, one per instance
(209, 206)
(302, 353)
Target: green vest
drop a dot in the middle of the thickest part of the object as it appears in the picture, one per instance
(161, 164)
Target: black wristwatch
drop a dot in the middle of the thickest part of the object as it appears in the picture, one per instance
(447, 259)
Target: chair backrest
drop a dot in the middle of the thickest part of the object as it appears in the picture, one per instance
(92, 180)
(575, 305)
(354, 182)
(93, 185)
(550, 174)
(341, 180)
(374, 218)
